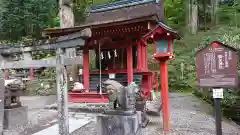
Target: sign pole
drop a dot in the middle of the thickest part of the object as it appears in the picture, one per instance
(218, 95)
(216, 66)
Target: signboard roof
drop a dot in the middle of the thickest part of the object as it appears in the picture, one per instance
(216, 66)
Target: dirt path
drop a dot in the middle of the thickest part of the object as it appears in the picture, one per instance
(189, 116)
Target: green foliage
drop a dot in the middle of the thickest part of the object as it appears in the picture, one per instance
(174, 13)
(230, 14)
(185, 51)
(21, 18)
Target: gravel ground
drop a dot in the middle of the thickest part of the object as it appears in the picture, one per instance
(38, 117)
(189, 116)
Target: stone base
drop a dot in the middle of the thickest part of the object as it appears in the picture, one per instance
(119, 124)
(119, 112)
(15, 117)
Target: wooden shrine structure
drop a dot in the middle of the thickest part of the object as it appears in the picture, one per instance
(76, 40)
(121, 32)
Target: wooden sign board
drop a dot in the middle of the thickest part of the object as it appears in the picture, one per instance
(216, 66)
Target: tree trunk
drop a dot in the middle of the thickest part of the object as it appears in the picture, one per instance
(194, 21)
(192, 16)
(204, 4)
(189, 13)
(214, 18)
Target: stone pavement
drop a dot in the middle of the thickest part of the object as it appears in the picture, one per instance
(76, 121)
(189, 116)
(42, 119)
(37, 102)
(82, 107)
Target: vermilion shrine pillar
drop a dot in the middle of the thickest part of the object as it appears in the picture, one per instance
(86, 67)
(163, 52)
(129, 64)
(139, 56)
(31, 71)
(144, 57)
(164, 94)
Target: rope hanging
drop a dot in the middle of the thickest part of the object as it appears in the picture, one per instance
(100, 69)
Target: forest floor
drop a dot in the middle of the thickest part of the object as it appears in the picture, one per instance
(189, 116)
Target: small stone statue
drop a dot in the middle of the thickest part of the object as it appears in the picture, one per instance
(126, 98)
(120, 97)
(13, 90)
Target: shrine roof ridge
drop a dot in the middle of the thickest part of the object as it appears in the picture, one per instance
(167, 28)
(220, 43)
(118, 4)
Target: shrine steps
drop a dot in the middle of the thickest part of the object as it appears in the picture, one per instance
(93, 96)
(120, 77)
(87, 97)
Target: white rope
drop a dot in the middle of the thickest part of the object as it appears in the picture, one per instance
(100, 70)
(109, 55)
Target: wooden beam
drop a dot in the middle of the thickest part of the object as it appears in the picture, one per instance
(39, 63)
(63, 44)
(68, 41)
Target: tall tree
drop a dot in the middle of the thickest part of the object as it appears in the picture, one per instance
(214, 5)
(192, 16)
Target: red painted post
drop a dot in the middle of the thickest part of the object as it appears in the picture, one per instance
(143, 57)
(164, 93)
(31, 74)
(146, 57)
(129, 64)
(169, 45)
(156, 79)
(86, 67)
(139, 55)
(6, 75)
(154, 46)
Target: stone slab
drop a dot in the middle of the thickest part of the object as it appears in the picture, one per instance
(74, 124)
(15, 117)
(119, 124)
(119, 112)
(82, 107)
(1, 103)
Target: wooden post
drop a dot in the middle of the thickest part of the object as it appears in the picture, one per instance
(27, 56)
(86, 67)
(62, 94)
(139, 55)
(156, 79)
(144, 57)
(164, 93)
(129, 64)
(66, 21)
